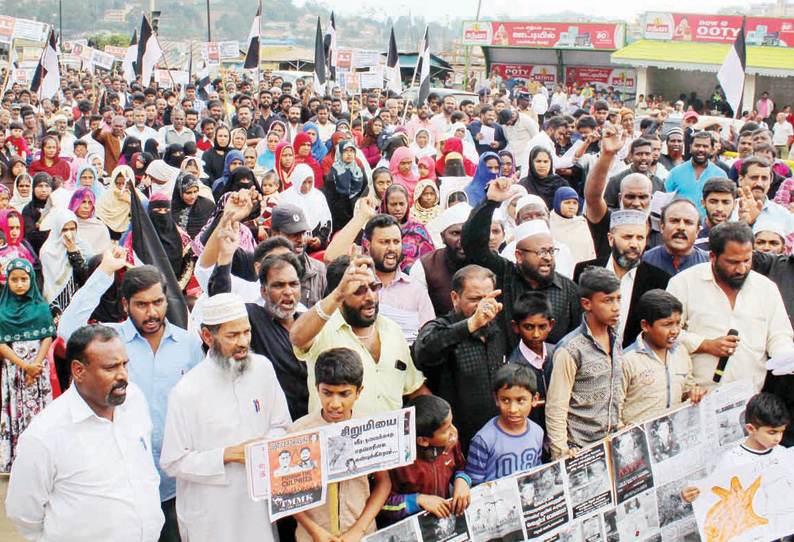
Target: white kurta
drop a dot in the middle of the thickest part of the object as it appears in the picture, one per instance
(207, 412)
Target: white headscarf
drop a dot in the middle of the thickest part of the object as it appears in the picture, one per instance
(17, 201)
(428, 150)
(54, 259)
(313, 204)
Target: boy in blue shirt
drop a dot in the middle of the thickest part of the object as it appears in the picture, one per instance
(510, 442)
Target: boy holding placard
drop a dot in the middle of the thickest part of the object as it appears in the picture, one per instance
(351, 508)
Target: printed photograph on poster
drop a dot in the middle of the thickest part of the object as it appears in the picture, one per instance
(409, 444)
(671, 506)
(631, 466)
(449, 529)
(589, 483)
(684, 531)
(297, 477)
(635, 519)
(591, 530)
(365, 445)
(405, 531)
(722, 410)
(494, 514)
(677, 444)
(543, 500)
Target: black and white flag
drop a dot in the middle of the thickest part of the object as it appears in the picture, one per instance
(129, 64)
(731, 74)
(252, 56)
(149, 52)
(319, 61)
(47, 79)
(392, 72)
(423, 67)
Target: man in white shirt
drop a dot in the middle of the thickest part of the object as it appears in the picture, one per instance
(84, 468)
(725, 294)
(519, 130)
(176, 132)
(139, 128)
(228, 400)
(540, 103)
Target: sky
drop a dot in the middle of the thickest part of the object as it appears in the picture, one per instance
(615, 9)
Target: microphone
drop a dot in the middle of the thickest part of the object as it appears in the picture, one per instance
(720, 370)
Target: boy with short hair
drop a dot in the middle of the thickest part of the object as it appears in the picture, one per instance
(16, 141)
(583, 399)
(438, 472)
(510, 442)
(80, 148)
(533, 320)
(338, 375)
(765, 417)
(657, 372)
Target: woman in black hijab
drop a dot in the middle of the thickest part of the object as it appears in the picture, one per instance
(215, 157)
(132, 145)
(542, 181)
(174, 154)
(31, 214)
(190, 210)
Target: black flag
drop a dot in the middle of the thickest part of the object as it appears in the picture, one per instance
(252, 55)
(319, 61)
(423, 68)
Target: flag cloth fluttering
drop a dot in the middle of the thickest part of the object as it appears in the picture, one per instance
(47, 79)
(392, 73)
(319, 61)
(423, 68)
(149, 52)
(731, 74)
(252, 56)
(130, 63)
(329, 45)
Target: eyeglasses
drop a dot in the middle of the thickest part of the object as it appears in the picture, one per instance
(374, 287)
(543, 252)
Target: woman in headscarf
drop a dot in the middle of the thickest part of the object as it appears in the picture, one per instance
(63, 261)
(508, 163)
(469, 150)
(427, 168)
(215, 158)
(130, 146)
(542, 181)
(487, 170)
(234, 160)
(97, 161)
(303, 155)
(23, 192)
(5, 197)
(113, 206)
(193, 166)
(76, 165)
(318, 149)
(416, 239)
(396, 141)
(285, 162)
(33, 213)
(50, 161)
(344, 184)
(381, 181)
(93, 231)
(280, 128)
(426, 202)
(242, 178)
(307, 197)
(174, 154)
(239, 138)
(401, 166)
(328, 161)
(267, 151)
(140, 161)
(26, 333)
(16, 167)
(369, 144)
(423, 144)
(570, 228)
(455, 145)
(189, 209)
(15, 245)
(151, 147)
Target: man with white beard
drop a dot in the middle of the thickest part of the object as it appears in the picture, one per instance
(228, 400)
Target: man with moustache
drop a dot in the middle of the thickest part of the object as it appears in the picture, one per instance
(641, 155)
(755, 176)
(402, 299)
(627, 234)
(534, 268)
(348, 317)
(680, 223)
(688, 178)
(84, 468)
(160, 353)
(229, 400)
(719, 200)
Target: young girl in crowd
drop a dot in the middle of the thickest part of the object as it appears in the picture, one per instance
(271, 196)
(570, 228)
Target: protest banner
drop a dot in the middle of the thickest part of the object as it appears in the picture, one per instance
(30, 30)
(371, 80)
(631, 464)
(229, 50)
(543, 500)
(6, 28)
(296, 472)
(102, 60)
(363, 58)
(211, 53)
(116, 52)
(495, 512)
(589, 481)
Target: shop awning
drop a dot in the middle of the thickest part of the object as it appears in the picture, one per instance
(770, 61)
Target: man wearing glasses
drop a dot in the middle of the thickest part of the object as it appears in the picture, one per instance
(348, 317)
(534, 268)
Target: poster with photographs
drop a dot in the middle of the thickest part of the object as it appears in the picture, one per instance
(589, 482)
(409, 442)
(405, 531)
(297, 476)
(635, 519)
(494, 514)
(543, 500)
(722, 411)
(364, 445)
(671, 507)
(449, 529)
(631, 466)
(677, 444)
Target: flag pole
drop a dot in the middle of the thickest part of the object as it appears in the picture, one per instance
(259, 64)
(413, 78)
(165, 61)
(738, 111)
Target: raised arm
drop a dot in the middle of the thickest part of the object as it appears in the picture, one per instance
(595, 205)
(477, 229)
(340, 245)
(238, 206)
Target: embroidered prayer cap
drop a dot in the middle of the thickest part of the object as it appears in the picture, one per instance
(222, 308)
(530, 229)
(530, 199)
(627, 218)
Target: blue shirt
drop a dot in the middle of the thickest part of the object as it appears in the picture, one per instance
(154, 373)
(494, 453)
(659, 257)
(682, 179)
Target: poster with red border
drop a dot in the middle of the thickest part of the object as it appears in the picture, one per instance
(621, 79)
(600, 36)
(691, 27)
(546, 73)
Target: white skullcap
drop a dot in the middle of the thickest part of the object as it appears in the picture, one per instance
(627, 218)
(222, 308)
(56, 118)
(766, 223)
(530, 199)
(530, 228)
(457, 214)
(497, 216)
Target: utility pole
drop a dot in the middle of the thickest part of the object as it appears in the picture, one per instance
(209, 23)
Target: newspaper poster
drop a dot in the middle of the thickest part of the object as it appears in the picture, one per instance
(297, 474)
(370, 80)
(211, 53)
(102, 60)
(543, 500)
(631, 465)
(635, 519)
(748, 503)
(116, 52)
(364, 445)
(589, 529)
(30, 30)
(409, 442)
(363, 58)
(229, 50)
(405, 531)
(723, 410)
(676, 517)
(494, 514)
(449, 529)
(589, 481)
(677, 444)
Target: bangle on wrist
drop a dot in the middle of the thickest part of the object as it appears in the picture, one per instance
(320, 312)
